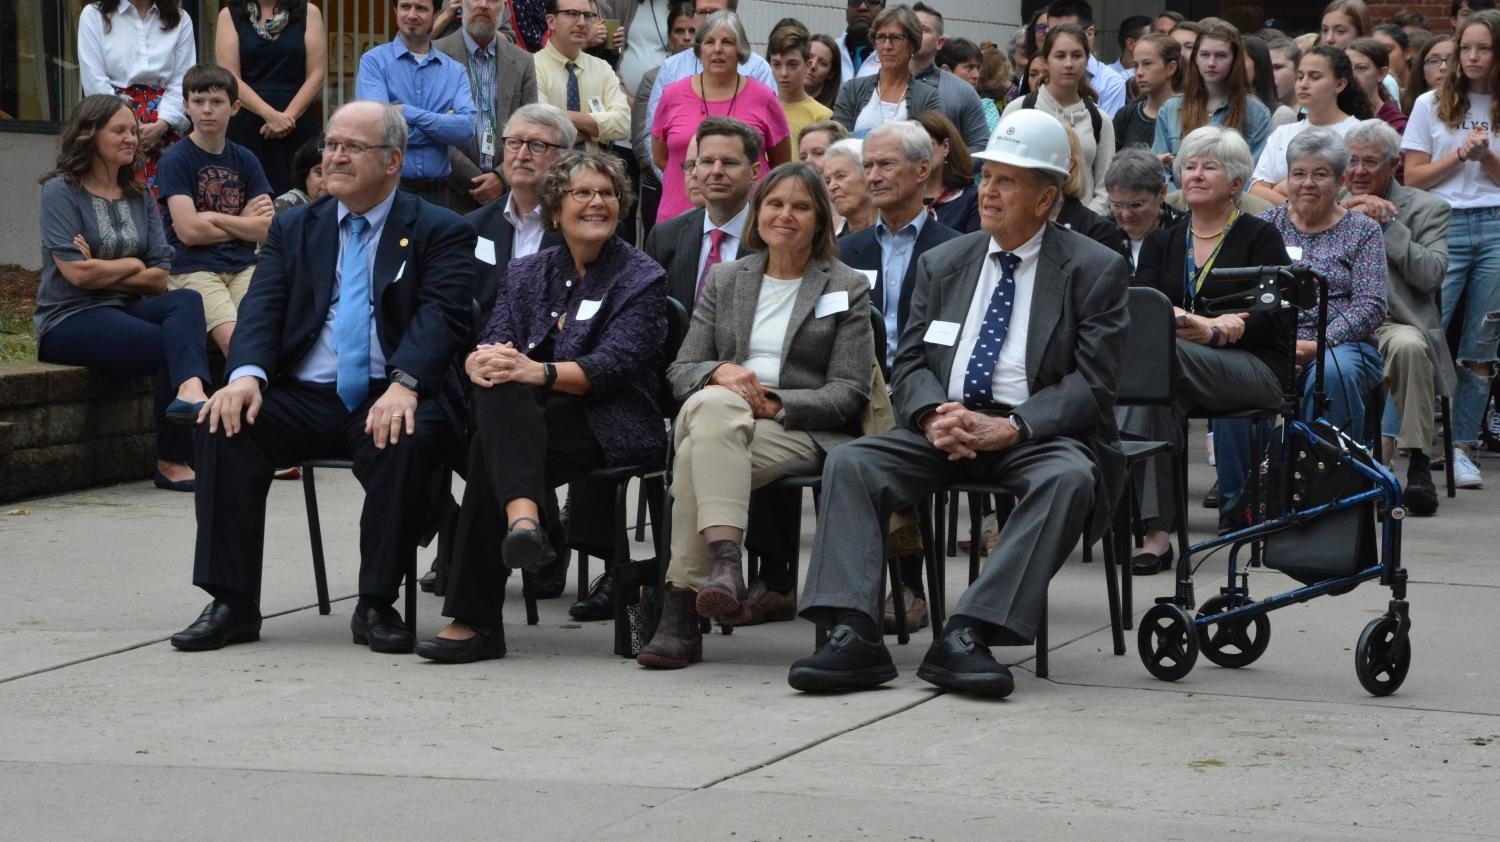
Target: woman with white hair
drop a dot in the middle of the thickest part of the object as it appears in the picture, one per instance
(1226, 363)
(844, 173)
(720, 90)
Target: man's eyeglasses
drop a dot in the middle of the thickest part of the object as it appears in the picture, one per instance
(868, 4)
(728, 163)
(588, 17)
(584, 195)
(352, 149)
(535, 147)
(687, 165)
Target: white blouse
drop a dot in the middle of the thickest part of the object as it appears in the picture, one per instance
(136, 52)
(773, 314)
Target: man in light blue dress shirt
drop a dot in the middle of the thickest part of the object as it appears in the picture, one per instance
(432, 91)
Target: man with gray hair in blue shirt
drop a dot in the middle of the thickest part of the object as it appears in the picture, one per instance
(432, 92)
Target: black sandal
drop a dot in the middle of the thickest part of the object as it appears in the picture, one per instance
(526, 548)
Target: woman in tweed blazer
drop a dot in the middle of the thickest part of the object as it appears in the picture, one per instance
(774, 372)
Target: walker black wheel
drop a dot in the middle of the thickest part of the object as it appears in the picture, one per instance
(1236, 643)
(1167, 643)
(1382, 657)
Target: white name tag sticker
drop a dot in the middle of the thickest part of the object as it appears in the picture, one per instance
(484, 249)
(487, 143)
(399, 272)
(1294, 252)
(872, 274)
(587, 309)
(596, 105)
(833, 302)
(942, 333)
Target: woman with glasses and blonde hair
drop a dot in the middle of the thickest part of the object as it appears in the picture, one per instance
(1449, 153)
(775, 372)
(566, 380)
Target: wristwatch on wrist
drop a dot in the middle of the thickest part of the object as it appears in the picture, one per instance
(549, 375)
(401, 377)
(1018, 424)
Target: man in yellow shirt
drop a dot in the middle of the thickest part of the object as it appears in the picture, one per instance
(788, 49)
(584, 86)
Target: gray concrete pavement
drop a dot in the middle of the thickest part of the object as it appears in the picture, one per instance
(108, 733)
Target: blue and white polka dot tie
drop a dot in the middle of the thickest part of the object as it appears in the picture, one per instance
(981, 373)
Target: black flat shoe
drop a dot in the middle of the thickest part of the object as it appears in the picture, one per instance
(382, 629)
(483, 646)
(160, 481)
(846, 662)
(1211, 499)
(184, 412)
(525, 548)
(599, 604)
(1150, 564)
(218, 626)
(551, 579)
(961, 663)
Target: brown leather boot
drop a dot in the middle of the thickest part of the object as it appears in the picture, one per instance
(678, 640)
(724, 592)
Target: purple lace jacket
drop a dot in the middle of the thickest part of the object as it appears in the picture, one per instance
(615, 327)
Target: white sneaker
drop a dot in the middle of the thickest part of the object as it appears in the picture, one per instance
(1465, 472)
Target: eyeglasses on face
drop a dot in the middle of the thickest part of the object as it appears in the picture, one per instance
(890, 38)
(727, 163)
(588, 17)
(584, 195)
(1128, 207)
(868, 4)
(352, 149)
(535, 147)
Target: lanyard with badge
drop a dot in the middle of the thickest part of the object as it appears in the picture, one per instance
(1193, 277)
(487, 102)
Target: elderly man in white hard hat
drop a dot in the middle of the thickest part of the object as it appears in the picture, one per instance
(1006, 373)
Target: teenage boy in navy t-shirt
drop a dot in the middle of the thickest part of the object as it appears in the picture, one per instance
(215, 202)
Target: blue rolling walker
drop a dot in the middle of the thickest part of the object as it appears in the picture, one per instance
(1314, 503)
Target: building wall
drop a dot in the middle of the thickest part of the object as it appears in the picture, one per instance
(23, 157)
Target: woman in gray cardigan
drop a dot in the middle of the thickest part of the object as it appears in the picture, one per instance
(865, 102)
(774, 372)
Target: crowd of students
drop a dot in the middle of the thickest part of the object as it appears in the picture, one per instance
(829, 164)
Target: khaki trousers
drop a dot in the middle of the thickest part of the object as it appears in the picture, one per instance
(723, 453)
(1409, 373)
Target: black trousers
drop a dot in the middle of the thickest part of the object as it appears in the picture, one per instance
(300, 421)
(526, 442)
(163, 335)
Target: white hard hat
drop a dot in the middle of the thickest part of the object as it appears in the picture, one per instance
(1030, 139)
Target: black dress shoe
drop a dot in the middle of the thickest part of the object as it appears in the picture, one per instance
(525, 548)
(382, 629)
(599, 604)
(551, 579)
(218, 626)
(184, 412)
(961, 663)
(483, 646)
(1420, 496)
(1150, 564)
(1211, 499)
(846, 662)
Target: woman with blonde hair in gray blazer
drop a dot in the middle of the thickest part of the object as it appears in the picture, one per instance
(774, 372)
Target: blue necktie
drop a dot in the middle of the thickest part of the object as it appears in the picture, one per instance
(351, 324)
(981, 373)
(575, 102)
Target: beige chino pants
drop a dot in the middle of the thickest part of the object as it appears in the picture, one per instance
(1409, 373)
(723, 453)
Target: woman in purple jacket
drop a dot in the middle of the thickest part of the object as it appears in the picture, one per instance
(567, 375)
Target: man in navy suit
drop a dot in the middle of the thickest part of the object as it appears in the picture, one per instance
(346, 341)
(898, 160)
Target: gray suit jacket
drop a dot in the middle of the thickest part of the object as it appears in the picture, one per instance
(1416, 251)
(1074, 342)
(515, 86)
(853, 96)
(825, 363)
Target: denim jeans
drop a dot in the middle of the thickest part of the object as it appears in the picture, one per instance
(1352, 370)
(1473, 277)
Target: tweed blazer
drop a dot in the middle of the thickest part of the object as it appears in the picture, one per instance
(855, 93)
(1416, 254)
(515, 86)
(615, 327)
(825, 362)
(1074, 344)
